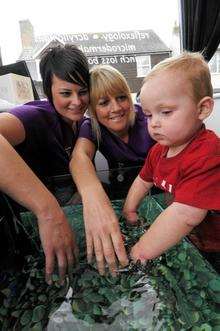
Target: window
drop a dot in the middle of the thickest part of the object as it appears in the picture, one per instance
(143, 65)
(33, 68)
(214, 63)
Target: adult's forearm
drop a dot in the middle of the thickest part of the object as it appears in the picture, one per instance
(103, 236)
(20, 183)
(84, 175)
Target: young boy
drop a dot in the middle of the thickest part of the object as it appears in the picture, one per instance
(176, 96)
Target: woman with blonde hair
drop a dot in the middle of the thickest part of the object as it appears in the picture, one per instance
(118, 129)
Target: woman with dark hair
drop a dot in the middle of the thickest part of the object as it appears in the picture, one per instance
(36, 141)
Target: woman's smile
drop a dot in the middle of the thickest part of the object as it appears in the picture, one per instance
(116, 118)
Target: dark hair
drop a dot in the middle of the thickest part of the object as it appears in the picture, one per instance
(68, 63)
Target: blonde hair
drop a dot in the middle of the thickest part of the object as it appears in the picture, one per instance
(105, 80)
(193, 67)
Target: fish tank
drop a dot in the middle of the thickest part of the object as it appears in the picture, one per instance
(179, 290)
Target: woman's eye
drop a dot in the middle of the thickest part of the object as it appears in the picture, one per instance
(83, 92)
(122, 97)
(65, 94)
(103, 103)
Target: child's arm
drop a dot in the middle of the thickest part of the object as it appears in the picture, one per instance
(168, 229)
(136, 193)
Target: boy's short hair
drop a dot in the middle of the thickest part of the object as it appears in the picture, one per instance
(194, 68)
(106, 80)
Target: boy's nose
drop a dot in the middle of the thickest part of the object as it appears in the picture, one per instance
(154, 122)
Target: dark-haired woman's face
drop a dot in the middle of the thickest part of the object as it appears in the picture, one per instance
(70, 100)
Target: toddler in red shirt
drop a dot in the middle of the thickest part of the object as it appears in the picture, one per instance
(177, 96)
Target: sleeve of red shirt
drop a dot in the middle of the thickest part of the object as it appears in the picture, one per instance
(200, 183)
(146, 172)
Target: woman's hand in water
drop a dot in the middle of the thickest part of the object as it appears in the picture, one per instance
(103, 235)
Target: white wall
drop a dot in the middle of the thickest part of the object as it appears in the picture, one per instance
(215, 77)
(213, 121)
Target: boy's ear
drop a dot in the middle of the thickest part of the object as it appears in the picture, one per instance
(205, 107)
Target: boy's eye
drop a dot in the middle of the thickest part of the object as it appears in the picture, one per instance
(148, 115)
(166, 112)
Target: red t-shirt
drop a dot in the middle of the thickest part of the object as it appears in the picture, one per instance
(192, 176)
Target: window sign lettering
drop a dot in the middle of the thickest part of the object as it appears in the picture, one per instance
(107, 43)
(111, 59)
(106, 48)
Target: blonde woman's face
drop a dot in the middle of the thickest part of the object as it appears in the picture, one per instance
(114, 113)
